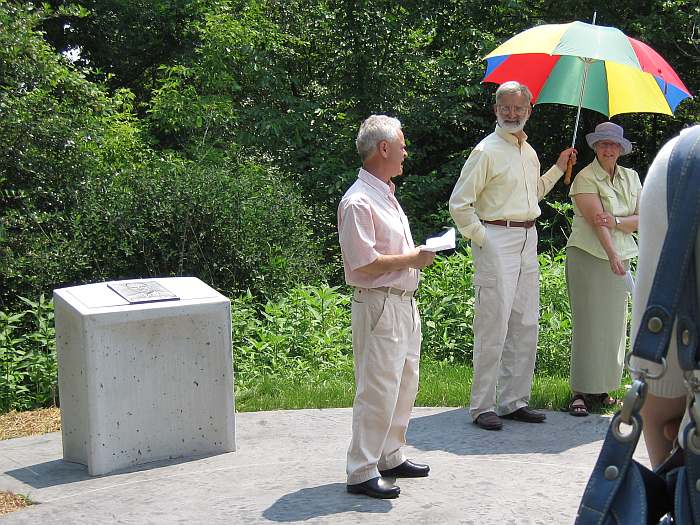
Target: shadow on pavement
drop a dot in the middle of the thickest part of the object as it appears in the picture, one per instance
(453, 431)
(324, 500)
(60, 472)
(50, 473)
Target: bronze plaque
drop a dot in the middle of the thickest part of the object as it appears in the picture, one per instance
(142, 291)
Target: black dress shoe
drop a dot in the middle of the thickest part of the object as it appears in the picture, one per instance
(489, 421)
(407, 469)
(527, 415)
(375, 488)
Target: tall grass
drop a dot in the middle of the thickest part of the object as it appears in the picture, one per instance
(442, 383)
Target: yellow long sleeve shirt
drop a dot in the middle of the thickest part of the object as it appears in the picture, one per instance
(500, 180)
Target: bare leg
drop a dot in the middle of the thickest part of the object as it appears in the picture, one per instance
(661, 417)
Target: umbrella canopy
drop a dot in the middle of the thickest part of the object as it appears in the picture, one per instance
(620, 74)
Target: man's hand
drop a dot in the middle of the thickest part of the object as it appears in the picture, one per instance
(417, 258)
(423, 258)
(564, 158)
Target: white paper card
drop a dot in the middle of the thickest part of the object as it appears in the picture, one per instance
(446, 241)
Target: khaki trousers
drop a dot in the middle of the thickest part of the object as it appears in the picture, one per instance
(506, 315)
(386, 337)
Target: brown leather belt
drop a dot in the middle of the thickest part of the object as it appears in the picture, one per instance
(512, 224)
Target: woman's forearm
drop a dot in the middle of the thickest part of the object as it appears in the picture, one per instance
(628, 224)
(605, 240)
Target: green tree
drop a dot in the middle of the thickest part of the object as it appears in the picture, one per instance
(84, 196)
(49, 112)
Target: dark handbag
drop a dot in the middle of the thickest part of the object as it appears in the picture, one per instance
(620, 490)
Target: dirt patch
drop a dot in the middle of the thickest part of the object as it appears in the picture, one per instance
(19, 424)
(10, 502)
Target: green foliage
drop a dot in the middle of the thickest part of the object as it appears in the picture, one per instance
(219, 220)
(308, 329)
(444, 384)
(123, 41)
(557, 225)
(316, 389)
(446, 302)
(84, 197)
(52, 117)
(554, 343)
(28, 369)
(304, 332)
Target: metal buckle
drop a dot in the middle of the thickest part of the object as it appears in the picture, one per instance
(398, 291)
(644, 372)
(694, 408)
(615, 426)
(691, 441)
(634, 401)
(692, 382)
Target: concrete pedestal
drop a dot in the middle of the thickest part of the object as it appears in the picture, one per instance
(143, 382)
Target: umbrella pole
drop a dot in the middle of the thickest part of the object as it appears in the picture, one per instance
(586, 64)
(569, 164)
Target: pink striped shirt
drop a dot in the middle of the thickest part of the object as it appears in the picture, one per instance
(371, 222)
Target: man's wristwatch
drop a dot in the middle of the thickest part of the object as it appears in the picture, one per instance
(617, 221)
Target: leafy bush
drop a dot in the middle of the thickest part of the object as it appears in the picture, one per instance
(233, 223)
(28, 369)
(308, 329)
(554, 344)
(446, 302)
(447, 308)
(49, 112)
(304, 331)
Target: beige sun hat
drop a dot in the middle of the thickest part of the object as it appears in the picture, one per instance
(609, 131)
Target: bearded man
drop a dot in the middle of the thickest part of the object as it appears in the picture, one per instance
(495, 204)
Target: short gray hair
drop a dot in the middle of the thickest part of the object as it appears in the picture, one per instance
(513, 88)
(373, 130)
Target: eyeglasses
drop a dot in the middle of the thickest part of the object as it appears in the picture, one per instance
(607, 144)
(518, 110)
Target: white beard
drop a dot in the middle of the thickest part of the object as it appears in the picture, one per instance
(511, 127)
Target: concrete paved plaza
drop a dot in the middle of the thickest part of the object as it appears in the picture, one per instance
(290, 468)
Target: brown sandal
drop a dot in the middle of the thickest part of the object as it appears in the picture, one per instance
(578, 409)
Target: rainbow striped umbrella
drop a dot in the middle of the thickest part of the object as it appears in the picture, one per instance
(590, 66)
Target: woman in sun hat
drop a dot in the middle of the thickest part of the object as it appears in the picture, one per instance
(605, 196)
